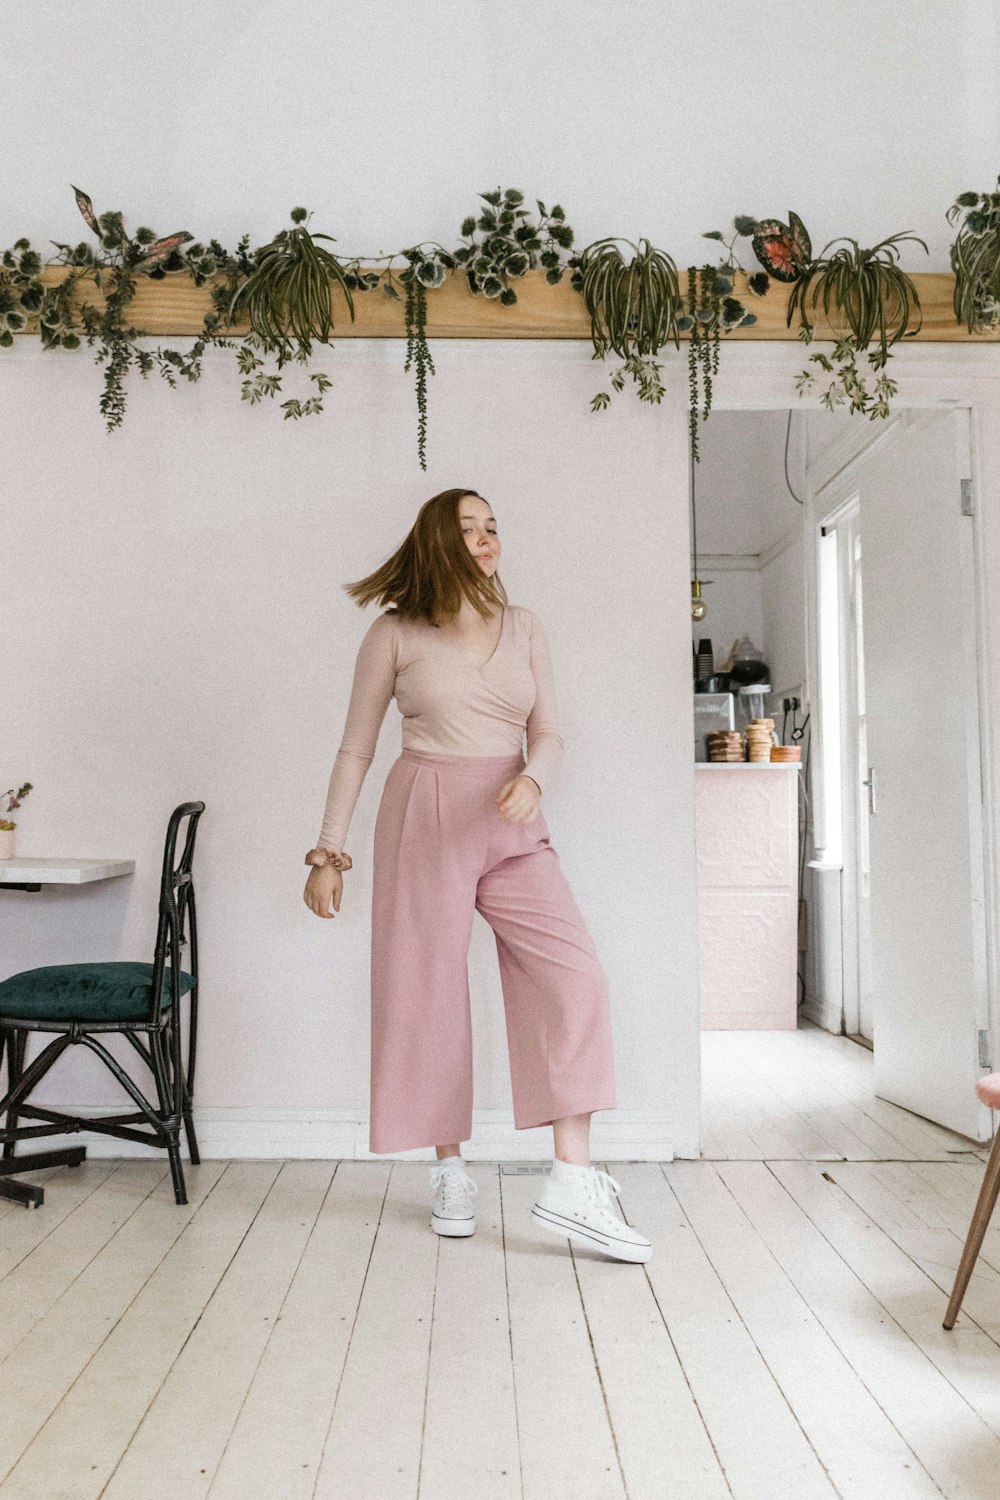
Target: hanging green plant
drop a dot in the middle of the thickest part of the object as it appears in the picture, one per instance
(864, 296)
(503, 241)
(418, 354)
(633, 305)
(65, 314)
(287, 296)
(287, 299)
(975, 260)
(712, 310)
(427, 265)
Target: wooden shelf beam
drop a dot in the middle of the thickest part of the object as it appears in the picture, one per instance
(175, 307)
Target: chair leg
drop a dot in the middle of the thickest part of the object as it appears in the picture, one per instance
(162, 1074)
(985, 1204)
(192, 1139)
(16, 1046)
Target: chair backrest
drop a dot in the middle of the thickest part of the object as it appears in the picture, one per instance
(177, 926)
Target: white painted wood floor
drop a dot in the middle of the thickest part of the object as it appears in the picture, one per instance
(298, 1330)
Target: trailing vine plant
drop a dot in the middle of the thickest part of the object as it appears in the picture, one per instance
(865, 297)
(65, 314)
(288, 300)
(712, 310)
(499, 244)
(635, 301)
(975, 259)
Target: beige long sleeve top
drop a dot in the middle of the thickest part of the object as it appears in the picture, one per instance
(449, 705)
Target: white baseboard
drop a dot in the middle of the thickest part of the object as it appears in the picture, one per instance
(342, 1134)
(822, 1013)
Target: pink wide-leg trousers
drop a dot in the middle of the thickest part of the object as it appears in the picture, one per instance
(442, 851)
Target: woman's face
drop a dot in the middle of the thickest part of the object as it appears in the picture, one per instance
(480, 532)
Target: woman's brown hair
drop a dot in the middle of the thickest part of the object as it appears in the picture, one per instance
(428, 575)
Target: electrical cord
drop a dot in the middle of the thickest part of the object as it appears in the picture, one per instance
(788, 482)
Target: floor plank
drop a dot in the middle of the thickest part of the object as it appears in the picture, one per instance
(566, 1439)
(372, 1449)
(37, 1373)
(39, 1279)
(297, 1332)
(180, 1440)
(761, 1448)
(954, 1444)
(66, 1188)
(662, 1441)
(914, 1294)
(470, 1440)
(277, 1442)
(860, 1449)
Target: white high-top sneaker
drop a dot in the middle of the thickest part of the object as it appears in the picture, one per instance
(580, 1208)
(452, 1212)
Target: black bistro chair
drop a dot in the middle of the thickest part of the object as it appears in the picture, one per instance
(82, 1002)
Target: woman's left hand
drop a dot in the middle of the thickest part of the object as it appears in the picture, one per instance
(518, 800)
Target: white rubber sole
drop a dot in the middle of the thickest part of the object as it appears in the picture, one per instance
(456, 1228)
(620, 1249)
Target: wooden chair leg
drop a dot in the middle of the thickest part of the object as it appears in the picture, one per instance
(985, 1204)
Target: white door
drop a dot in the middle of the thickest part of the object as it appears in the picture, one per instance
(926, 906)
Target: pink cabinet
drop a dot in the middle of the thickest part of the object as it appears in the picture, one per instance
(747, 850)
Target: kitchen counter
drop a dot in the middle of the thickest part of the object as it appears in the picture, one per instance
(747, 858)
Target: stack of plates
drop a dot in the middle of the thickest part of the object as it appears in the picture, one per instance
(725, 744)
(786, 752)
(760, 739)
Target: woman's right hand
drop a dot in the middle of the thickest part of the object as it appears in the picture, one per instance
(324, 882)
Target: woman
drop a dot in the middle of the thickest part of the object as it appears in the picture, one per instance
(459, 829)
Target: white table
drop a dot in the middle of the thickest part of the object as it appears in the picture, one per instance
(27, 873)
(30, 873)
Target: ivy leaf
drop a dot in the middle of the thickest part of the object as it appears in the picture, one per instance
(712, 234)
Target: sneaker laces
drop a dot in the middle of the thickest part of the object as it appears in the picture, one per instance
(605, 1187)
(454, 1180)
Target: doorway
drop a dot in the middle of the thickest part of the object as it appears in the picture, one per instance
(868, 607)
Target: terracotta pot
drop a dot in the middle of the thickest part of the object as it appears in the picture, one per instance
(8, 840)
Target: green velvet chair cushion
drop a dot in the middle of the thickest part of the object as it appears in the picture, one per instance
(85, 992)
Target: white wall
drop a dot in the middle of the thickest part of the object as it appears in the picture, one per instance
(181, 632)
(237, 529)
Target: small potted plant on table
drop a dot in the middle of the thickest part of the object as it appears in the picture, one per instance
(9, 800)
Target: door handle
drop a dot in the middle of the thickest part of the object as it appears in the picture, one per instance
(869, 782)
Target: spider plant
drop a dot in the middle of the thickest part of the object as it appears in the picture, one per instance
(633, 305)
(866, 290)
(975, 260)
(865, 297)
(287, 295)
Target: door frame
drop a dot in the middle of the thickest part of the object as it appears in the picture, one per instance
(762, 377)
(838, 521)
